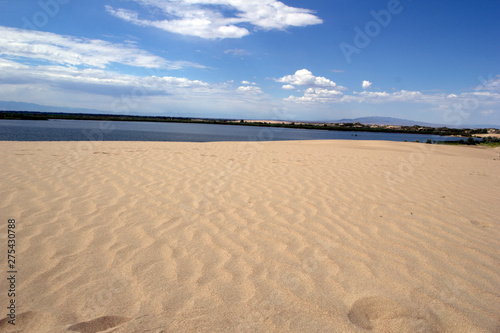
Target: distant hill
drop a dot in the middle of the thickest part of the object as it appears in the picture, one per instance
(21, 106)
(388, 121)
(404, 122)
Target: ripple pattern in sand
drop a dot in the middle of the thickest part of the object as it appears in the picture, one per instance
(253, 237)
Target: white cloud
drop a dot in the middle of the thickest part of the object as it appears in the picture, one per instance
(59, 49)
(304, 77)
(317, 95)
(249, 90)
(463, 103)
(320, 89)
(207, 19)
(93, 80)
(491, 84)
(365, 95)
(237, 52)
(95, 88)
(397, 96)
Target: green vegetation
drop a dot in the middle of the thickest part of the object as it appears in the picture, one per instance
(32, 115)
(490, 144)
(489, 141)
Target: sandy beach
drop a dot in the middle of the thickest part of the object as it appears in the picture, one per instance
(311, 236)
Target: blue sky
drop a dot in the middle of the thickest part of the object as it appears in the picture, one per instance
(434, 61)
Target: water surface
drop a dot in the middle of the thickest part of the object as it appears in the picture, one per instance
(92, 130)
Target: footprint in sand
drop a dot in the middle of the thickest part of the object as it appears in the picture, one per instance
(29, 321)
(384, 315)
(480, 224)
(99, 324)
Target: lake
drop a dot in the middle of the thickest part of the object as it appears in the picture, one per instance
(90, 130)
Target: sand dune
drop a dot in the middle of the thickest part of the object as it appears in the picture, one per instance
(315, 236)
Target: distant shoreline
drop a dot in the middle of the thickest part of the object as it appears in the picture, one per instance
(329, 126)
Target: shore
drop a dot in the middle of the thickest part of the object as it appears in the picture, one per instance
(311, 236)
(329, 126)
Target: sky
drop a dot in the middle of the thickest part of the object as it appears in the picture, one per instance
(316, 60)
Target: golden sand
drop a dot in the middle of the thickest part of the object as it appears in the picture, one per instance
(314, 236)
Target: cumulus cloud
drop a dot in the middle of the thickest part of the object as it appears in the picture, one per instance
(218, 18)
(378, 97)
(288, 87)
(366, 84)
(317, 95)
(249, 90)
(319, 89)
(75, 51)
(304, 77)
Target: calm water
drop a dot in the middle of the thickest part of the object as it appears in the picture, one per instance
(88, 130)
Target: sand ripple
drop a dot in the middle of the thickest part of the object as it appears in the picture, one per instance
(313, 236)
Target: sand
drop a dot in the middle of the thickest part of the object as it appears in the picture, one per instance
(311, 236)
(494, 135)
